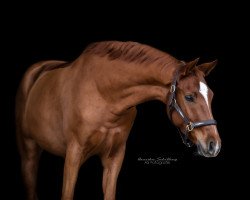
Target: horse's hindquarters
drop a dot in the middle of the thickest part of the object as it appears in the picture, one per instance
(43, 114)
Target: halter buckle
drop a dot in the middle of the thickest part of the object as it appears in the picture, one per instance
(172, 88)
(189, 127)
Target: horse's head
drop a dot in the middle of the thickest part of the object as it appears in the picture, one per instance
(189, 108)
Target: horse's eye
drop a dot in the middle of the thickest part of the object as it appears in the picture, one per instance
(189, 98)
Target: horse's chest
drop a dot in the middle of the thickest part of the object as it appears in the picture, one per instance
(111, 135)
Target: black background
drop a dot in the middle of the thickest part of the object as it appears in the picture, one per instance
(44, 33)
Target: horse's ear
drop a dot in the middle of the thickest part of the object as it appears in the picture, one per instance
(206, 68)
(189, 67)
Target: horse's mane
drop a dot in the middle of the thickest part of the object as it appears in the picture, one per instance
(130, 52)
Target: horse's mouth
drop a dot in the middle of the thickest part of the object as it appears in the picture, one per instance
(204, 152)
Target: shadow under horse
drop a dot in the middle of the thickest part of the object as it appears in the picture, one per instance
(88, 106)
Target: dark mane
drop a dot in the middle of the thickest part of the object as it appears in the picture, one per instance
(130, 52)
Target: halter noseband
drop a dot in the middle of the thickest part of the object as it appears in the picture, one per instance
(173, 105)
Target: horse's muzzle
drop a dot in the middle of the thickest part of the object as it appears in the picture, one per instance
(210, 149)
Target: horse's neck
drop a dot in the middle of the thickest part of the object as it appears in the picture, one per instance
(125, 85)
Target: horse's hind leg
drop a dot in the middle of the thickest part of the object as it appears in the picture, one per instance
(30, 153)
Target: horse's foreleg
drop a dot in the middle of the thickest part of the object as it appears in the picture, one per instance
(112, 165)
(75, 156)
(30, 153)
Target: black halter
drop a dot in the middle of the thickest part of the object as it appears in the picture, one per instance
(173, 105)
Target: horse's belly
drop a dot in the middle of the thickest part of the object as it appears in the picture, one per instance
(50, 141)
(46, 135)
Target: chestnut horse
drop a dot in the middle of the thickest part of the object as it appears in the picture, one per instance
(87, 107)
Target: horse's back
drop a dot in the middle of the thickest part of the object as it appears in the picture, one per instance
(35, 71)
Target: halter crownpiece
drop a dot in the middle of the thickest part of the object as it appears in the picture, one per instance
(173, 105)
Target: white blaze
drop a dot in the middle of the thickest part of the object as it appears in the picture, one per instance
(204, 91)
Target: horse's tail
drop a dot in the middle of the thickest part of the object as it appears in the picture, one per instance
(29, 78)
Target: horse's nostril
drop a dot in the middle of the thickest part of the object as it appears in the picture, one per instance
(211, 146)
